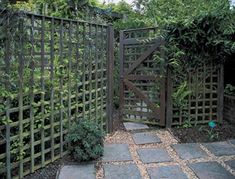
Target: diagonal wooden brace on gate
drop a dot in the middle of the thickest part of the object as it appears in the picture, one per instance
(143, 97)
(145, 55)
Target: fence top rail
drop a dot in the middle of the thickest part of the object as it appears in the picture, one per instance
(51, 17)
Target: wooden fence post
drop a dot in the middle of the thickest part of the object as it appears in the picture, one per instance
(110, 64)
(7, 58)
(121, 90)
(169, 115)
(220, 91)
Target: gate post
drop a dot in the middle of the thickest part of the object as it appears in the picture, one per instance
(169, 115)
(110, 64)
(121, 71)
(220, 91)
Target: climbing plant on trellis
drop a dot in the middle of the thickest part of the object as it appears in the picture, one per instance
(53, 71)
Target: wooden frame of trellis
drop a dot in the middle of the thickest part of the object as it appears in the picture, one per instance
(64, 70)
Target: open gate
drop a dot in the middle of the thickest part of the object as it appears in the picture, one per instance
(142, 89)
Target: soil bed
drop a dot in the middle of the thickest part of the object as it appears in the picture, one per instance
(200, 133)
(50, 171)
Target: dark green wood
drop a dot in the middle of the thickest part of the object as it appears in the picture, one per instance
(77, 77)
(7, 87)
(84, 71)
(69, 73)
(52, 55)
(110, 69)
(32, 66)
(90, 61)
(220, 93)
(21, 83)
(61, 87)
(42, 90)
(96, 73)
(121, 56)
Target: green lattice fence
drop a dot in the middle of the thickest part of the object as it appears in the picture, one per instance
(53, 71)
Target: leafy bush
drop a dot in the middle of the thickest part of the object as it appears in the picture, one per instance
(86, 140)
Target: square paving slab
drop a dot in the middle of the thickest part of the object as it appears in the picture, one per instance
(116, 152)
(231, 163)
(220, 148)
(189, 151)
(154, 155)
(145, 138)
(210, 170)
(129, 171)
(134, 126)
(167, 172)
(77, 171)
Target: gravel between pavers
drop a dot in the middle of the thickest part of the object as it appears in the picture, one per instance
(122, 136)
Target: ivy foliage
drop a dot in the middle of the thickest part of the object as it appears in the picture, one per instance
(86, 140)
(75, 9)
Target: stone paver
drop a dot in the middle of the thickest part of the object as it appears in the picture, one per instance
(220, 148)
(189, 151)
(166, 172)
(231, 163)
(77, 171)
(232, 141)
(116, 152)
(209, 170)
(145, 138)
(129, 171)
(153, 155)
(134, 126)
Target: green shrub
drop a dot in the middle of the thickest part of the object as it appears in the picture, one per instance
(86, 140)
(229, 90)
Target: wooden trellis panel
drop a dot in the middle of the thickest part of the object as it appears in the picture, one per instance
(142, 90)
(55, 71)
(204, 103)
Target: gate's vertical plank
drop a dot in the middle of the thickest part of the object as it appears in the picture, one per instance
(121, 56)
(169, 115)
(110, 61)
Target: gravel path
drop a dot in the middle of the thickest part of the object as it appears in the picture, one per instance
(167, 140)
(150, 153)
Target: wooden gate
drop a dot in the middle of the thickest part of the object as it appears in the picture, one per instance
(142, 88)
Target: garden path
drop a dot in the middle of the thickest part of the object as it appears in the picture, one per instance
(140, 152)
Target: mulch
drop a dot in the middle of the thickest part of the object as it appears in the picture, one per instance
(195, 134)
